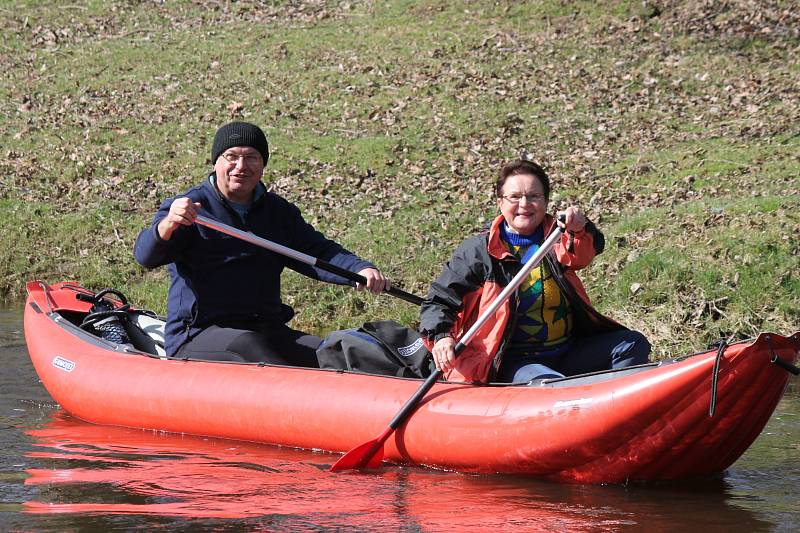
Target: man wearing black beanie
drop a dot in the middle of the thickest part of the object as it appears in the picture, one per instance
(224, 297)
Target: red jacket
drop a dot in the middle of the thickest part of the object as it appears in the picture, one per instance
(477, 273)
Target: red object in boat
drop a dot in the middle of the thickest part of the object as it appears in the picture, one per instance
(642, 424)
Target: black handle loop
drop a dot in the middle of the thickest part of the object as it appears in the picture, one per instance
(103, 307)
(99, 296)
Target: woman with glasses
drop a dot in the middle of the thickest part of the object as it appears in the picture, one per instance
(224, 298)
(548, 328)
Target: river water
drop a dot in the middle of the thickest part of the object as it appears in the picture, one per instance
(60, 474)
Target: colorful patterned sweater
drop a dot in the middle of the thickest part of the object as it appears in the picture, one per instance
(543, 319)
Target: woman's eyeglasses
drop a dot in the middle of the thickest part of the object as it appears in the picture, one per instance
(517, 198)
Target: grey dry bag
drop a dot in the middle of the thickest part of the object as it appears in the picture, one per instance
(383, 347)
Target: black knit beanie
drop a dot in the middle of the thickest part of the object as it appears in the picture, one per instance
(239, 134)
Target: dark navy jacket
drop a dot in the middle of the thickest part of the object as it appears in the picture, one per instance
(222, 280)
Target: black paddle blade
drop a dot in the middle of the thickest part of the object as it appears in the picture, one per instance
(367, 455)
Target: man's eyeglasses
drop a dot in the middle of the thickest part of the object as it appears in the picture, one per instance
(249, 159)
(517, 198)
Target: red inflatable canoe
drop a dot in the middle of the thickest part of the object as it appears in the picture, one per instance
(647, 423)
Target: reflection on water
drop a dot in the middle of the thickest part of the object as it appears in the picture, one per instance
(98, 472)
(58, 473)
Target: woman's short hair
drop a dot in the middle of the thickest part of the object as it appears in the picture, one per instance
(521, 167)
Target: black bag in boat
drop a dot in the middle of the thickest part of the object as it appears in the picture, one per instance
(383, 347)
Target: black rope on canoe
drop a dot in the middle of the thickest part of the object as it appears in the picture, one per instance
(715, 377)
(789, 367)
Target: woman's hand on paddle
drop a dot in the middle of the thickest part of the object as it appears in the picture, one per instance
(575, 220)
(444, 354)
(182, 212)
(376, 281)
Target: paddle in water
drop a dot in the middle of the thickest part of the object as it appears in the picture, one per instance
(370, 454)
(299, 256)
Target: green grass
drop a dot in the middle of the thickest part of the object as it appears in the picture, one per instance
(388, 122)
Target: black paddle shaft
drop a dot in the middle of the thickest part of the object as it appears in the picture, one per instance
(358, 278)
(362, 455)
(464, 340)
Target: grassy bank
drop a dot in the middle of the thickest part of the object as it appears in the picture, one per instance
(674, 124)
